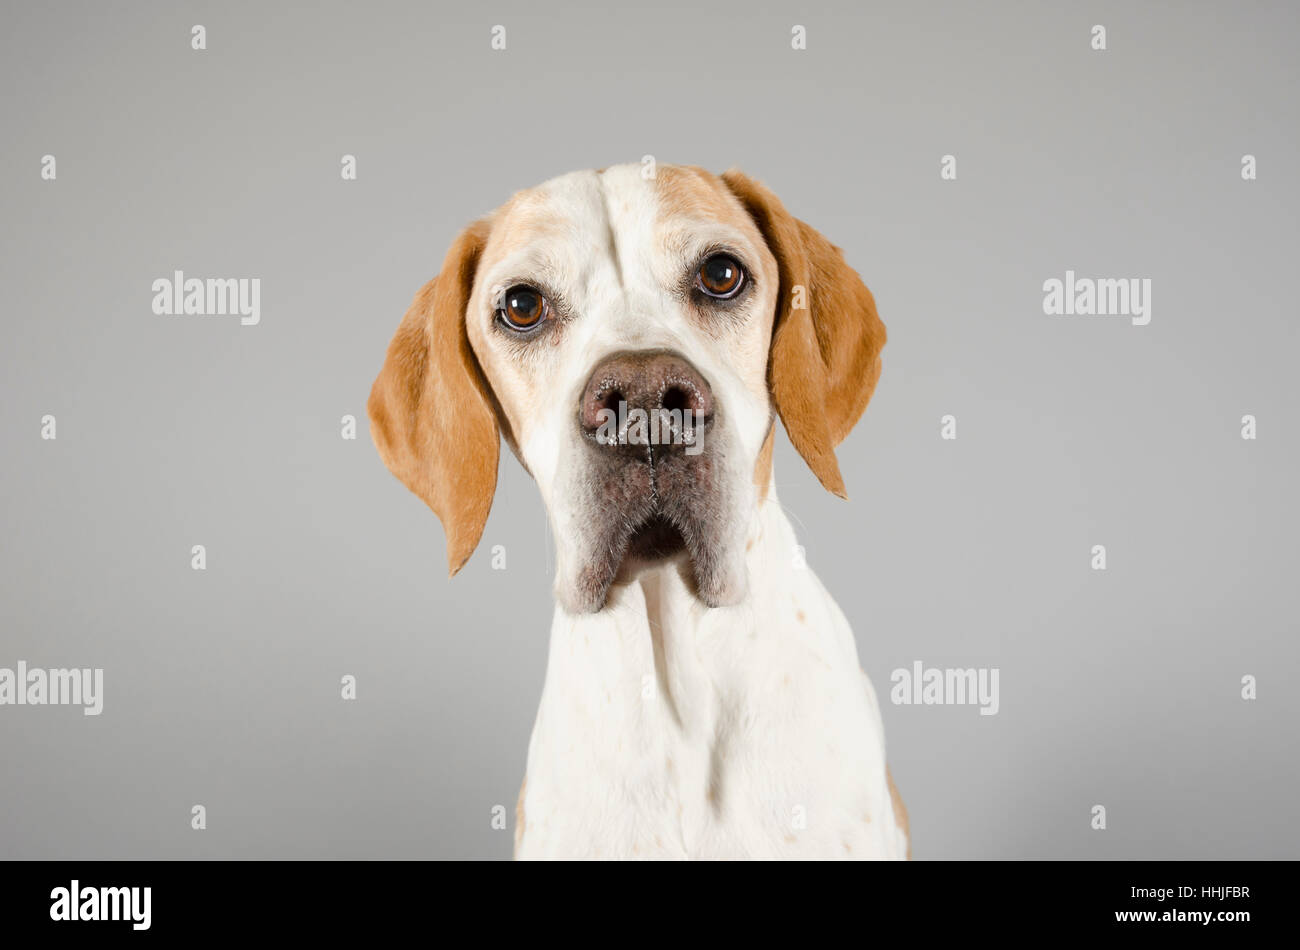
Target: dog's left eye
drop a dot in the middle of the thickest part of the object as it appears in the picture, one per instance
(522, 307)
(721, 277)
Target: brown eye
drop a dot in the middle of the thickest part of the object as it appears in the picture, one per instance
(720, 276)
(522, 307)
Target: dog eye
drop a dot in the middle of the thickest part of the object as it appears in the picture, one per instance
(721, 277)
(522, 307)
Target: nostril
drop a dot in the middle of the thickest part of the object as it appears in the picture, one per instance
(684, 396)
(677, 399)
(606, 396)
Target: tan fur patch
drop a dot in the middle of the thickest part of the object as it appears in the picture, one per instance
(900, 811)
(763, 466)
(431, 413)
(689, 191)
(826, 342)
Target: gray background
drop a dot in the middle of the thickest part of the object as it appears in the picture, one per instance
(222, 687)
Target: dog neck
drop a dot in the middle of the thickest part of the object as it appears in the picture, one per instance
(670, 727)
(655, 637)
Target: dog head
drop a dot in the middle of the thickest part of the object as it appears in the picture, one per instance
(630, 336)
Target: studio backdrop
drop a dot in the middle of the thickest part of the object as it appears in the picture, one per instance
(1076, 479)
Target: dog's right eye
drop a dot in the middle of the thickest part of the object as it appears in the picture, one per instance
(522, 307)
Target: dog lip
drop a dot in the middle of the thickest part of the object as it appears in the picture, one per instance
(660, 509)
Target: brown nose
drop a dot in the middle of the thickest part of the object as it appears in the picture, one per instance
(661, 385)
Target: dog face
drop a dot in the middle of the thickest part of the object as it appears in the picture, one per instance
(601, 299)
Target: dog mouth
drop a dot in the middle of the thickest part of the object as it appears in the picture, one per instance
(667, 508)
(655, 539)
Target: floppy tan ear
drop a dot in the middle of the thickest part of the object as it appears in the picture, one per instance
(826, 341)
(431, 414)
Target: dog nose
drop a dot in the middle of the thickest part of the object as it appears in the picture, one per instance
(655, 382)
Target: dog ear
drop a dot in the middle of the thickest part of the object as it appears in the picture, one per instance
(431, 412)
(827, 337)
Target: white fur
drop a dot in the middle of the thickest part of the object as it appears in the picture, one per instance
(657, 700)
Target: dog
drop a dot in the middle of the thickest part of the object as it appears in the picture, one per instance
(703, 695)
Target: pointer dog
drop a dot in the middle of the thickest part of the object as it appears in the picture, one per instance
(703, 695)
